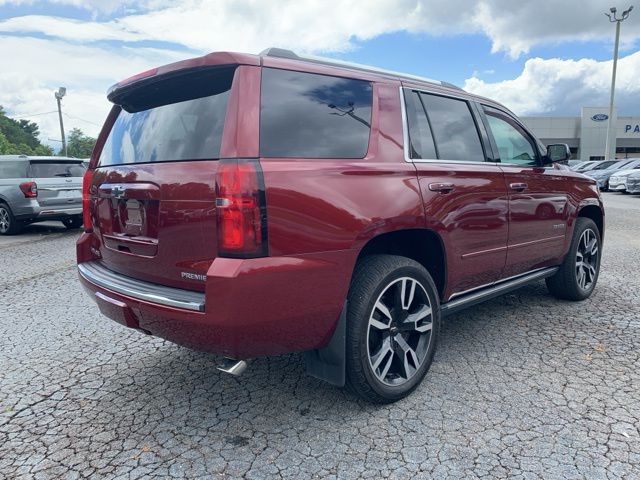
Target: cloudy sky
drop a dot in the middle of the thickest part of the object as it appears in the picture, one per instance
(543, 57)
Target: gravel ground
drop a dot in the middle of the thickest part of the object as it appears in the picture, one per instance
(524, 386)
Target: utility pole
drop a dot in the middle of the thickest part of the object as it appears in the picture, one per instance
(611, 140)
(59, 94)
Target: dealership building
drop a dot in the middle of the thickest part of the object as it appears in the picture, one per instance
(587, 135)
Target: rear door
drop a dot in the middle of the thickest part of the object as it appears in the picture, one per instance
(538, 198)
(59, 183)
(464, 195)
(153, 188)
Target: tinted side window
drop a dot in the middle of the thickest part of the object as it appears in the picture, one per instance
(13, 169)
(514, 144)
(420, 138)
(313, 116)
(454, 129)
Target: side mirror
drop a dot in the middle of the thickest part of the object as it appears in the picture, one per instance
(558, 152)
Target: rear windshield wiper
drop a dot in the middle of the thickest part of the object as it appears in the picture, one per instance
(62, 175)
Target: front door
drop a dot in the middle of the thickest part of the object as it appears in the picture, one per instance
(464, 196)
(538, 203)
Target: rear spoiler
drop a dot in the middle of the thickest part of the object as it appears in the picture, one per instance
(117, 93)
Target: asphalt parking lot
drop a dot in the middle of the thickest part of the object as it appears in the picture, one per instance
(524, 386)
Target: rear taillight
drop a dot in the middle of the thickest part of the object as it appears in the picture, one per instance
(241, 209)
(86, 217)
(29, 189)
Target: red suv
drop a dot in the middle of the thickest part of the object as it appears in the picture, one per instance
(256, 205)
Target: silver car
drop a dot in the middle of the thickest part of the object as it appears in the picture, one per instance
(633, 182)
(36, 189)
(618, 181)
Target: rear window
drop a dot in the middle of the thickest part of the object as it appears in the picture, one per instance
(56, 169)
(313, 116)
(13, 169)
(420, 137)
(176, 119)
(453, 128)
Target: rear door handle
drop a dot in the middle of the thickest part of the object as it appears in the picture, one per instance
(518, 187)
(441, 187)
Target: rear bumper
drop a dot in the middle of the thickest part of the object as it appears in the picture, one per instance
(100, 276)
(59, 212)
(37, 213)
(250, 308)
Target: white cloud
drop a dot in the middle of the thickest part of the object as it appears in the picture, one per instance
(333, 25)
(562, 87)
(82, 55)
(39, 66)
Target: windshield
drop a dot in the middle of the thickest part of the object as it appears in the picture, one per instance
(604, 165)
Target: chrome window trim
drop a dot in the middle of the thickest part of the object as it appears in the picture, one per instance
(405, 133)
(99, 275)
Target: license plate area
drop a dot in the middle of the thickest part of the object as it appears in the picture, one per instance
(128, 216)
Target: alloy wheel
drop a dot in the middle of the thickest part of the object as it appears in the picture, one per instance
(5, 220)
(399, 331)
(587, 259)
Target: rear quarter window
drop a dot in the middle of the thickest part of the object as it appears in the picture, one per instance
(13, 169)
(313, 116)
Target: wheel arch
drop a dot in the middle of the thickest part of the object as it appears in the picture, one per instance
(420, 244)
(594, 212)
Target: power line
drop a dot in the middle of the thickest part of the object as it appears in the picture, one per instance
(81, 119)
(23, 116)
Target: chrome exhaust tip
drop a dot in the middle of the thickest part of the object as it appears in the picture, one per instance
(233, 367)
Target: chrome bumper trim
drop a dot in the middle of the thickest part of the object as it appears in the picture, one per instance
(99, 275)
(65, 211)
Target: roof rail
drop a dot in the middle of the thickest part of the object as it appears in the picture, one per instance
(284, 53)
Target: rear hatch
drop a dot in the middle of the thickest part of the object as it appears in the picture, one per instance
(59, 183)
(153, 187)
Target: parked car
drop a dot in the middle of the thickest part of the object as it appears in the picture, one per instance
(354, 209)
(37, 189)
(618, 180)
(602, 177)
(577, 164)
(633, 183)
(586, 166)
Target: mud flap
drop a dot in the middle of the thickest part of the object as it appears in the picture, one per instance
(328, 363)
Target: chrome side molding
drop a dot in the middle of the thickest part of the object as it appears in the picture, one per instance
(101, 276)
(478, 296)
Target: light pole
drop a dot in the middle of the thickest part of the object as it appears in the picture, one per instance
(613, 17)
(59, 94)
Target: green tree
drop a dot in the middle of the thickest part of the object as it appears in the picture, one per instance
(4, 145)
(20, 137)
(79, 145)
(19, 131)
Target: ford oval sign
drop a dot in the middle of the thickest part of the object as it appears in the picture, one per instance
(600, 117)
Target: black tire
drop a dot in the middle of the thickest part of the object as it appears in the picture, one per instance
(8, 223)
(72, 223)
(378, 278)
(568, 282)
